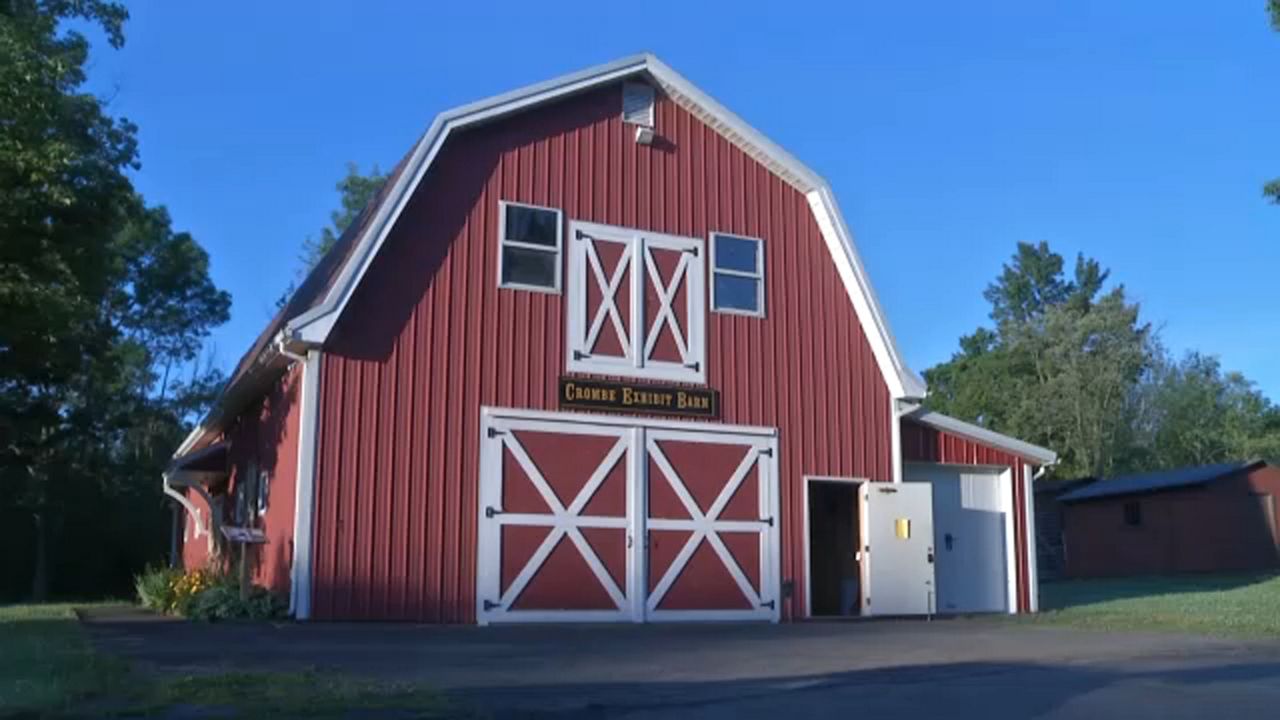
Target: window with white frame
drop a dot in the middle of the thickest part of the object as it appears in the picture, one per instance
(529, 245)
(737, 274)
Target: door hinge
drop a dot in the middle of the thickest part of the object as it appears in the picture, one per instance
(768, 521)
(769, 604)
(693, 366)
(693, 250)
(579, 355)
(490, 605)
(579, 235)
(490, 511)
(765, 451)
(495, 432)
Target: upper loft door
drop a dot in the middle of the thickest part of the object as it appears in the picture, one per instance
(636, 304)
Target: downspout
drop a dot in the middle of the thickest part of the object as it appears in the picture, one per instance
(304, 484)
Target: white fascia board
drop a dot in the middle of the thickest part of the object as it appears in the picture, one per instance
(1043, 456)
(314, 325)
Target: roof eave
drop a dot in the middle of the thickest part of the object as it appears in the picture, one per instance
(1040, 455)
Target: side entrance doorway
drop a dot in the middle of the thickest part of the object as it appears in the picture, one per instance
(592, 518)
(869, 548)
(835, 547)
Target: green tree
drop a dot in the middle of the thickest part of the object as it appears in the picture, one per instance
(102, 304)
(355, 190)
(1059, 366)
(1205, 415)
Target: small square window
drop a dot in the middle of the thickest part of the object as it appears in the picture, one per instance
(1133, 514)
(737, 274)
(529, 242)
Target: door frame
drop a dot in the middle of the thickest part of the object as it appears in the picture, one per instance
(637, 520)
(1003, 474)
(862, 538)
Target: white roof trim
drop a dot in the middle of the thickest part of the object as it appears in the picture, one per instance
(1022, 449)
(314, 325)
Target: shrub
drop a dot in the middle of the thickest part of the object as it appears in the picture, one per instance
(155, 587)
(222, 602)
(206, 595)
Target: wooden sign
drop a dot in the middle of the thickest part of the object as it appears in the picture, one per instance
(637, 397)
(247, 535)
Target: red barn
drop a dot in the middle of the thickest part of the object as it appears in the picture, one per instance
(1209, 518)
(599, 350)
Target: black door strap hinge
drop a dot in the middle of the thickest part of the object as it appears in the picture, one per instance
(490, 511)
(490, 605)
(494, 432)
(767, 604)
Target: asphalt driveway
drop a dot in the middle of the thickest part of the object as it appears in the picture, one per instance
(951, 668)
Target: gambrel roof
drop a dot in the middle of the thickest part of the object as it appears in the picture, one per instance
(315, 307)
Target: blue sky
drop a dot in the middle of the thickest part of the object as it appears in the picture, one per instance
(1138, 133)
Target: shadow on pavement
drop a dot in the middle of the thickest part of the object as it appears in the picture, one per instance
(958, 690)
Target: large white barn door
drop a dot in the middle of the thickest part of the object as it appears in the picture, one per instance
(555, 539)
(581, 520)
(636, 303)
(711, 530)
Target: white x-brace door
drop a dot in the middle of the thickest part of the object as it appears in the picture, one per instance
(518, 457)
(560, 526)
(706, 529)
(636, 303)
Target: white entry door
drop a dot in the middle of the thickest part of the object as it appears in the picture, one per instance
(900, 552)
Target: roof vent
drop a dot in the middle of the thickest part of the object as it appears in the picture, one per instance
(637, 104)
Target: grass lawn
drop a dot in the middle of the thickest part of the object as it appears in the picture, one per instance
(1237, 605)
(49, 669)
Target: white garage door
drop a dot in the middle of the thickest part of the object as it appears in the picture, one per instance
(973, 533)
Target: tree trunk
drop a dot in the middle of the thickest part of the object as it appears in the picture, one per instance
(40, 573)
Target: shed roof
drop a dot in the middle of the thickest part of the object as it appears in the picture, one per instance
(1159, 480)
(946, 423)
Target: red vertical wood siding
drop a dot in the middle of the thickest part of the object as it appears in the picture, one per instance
(429, 338)
(921, 443)
(265, 434)
(1227, 525)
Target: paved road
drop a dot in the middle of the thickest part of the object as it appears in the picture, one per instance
(956, 668)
